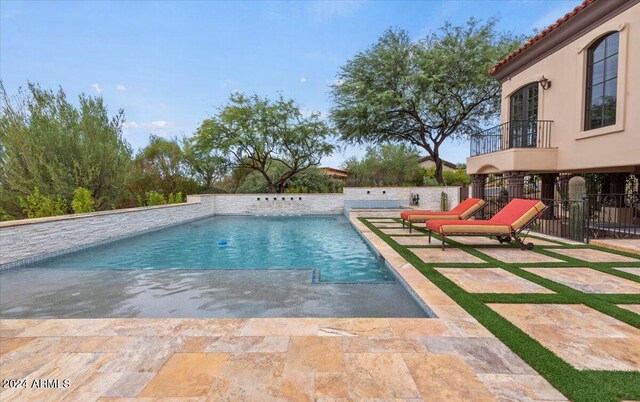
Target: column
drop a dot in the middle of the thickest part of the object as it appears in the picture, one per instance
(515, 184)
(477, 185)
(617, 187)
(548, 193)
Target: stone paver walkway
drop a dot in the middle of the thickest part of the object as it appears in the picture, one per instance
(262, 359)
(628, 245)
(587, 280)
(583, 337)
(491, 280)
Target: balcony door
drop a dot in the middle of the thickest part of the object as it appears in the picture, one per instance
(523, 125)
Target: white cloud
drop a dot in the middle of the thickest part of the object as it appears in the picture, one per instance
(160, 124)
(96, 88)
(303, 80)
(121, 88)
(130, 124)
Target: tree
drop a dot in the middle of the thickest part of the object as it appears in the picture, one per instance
(421, 92)
(257, 132)
(50, 144)
(207, 165)
(386, 165)
(161, 167)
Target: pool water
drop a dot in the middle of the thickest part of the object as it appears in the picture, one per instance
(327, 244)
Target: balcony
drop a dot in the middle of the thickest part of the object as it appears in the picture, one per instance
(517, 145)
(512, 134)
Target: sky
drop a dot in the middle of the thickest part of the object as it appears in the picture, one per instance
(170, 65)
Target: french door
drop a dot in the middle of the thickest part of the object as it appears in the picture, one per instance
(523, 127)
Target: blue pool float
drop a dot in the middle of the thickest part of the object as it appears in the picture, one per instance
(222, 242)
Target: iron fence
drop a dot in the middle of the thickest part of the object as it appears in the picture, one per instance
(512, 134)
(599, 214)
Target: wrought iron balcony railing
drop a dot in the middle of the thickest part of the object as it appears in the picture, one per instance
(512, 134)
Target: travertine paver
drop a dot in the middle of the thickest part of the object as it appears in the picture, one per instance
(186, 374)
(491, 280)
(476, 240)
(324, 358)
(516, 255)
(390, 225)
(628, 245)
(587, 280)
(635, 271)
(412, 240)
(591, 255)
(450, 255)
(520, 387)
(631, 307)
(401, 231)
(583, 337)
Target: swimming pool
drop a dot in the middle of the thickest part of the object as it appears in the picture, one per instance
(329, 245)
(312, 266)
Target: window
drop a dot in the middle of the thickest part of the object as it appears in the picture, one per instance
(602, 82)
(523, 117)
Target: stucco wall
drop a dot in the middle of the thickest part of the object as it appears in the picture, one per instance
(32, 239)
(579, 150)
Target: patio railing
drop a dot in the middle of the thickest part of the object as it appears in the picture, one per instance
(512, 134)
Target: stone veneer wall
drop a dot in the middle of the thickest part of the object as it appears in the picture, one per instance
(29, 240)
(34, 239)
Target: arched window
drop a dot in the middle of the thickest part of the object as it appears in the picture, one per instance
(602, 82)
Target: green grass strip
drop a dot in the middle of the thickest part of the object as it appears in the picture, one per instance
(590, 385)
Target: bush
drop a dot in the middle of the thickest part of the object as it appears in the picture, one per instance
(37, 205)
(155, 198)
(82, 201)
(175, 199)
(458, 177)
(3, 215)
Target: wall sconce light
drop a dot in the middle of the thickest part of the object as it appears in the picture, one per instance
(544, 83)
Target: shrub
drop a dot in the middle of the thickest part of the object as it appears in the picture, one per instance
(155, 198)
(175, 199)
(37, 205)
(458, 177)
(82, 201)
(3, 215)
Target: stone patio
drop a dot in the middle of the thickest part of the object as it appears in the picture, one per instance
(634, 271)
(451, 357)
(583, 337)
(491, 280)
(251, 359)
(516, 256)
(413, 241)
(451, 255)
(627, 245)
(587, 280)
(591, 255)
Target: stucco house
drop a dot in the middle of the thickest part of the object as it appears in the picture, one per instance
(570, 106)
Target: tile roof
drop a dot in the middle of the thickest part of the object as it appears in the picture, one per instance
(541, 35)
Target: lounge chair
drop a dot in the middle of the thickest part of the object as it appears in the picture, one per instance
(464, 210)
(510, 221)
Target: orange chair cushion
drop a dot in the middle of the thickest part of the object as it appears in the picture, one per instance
(512, 217)
(468, 226)
(460, 211)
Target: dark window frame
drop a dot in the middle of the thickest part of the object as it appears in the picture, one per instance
(600, 118)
